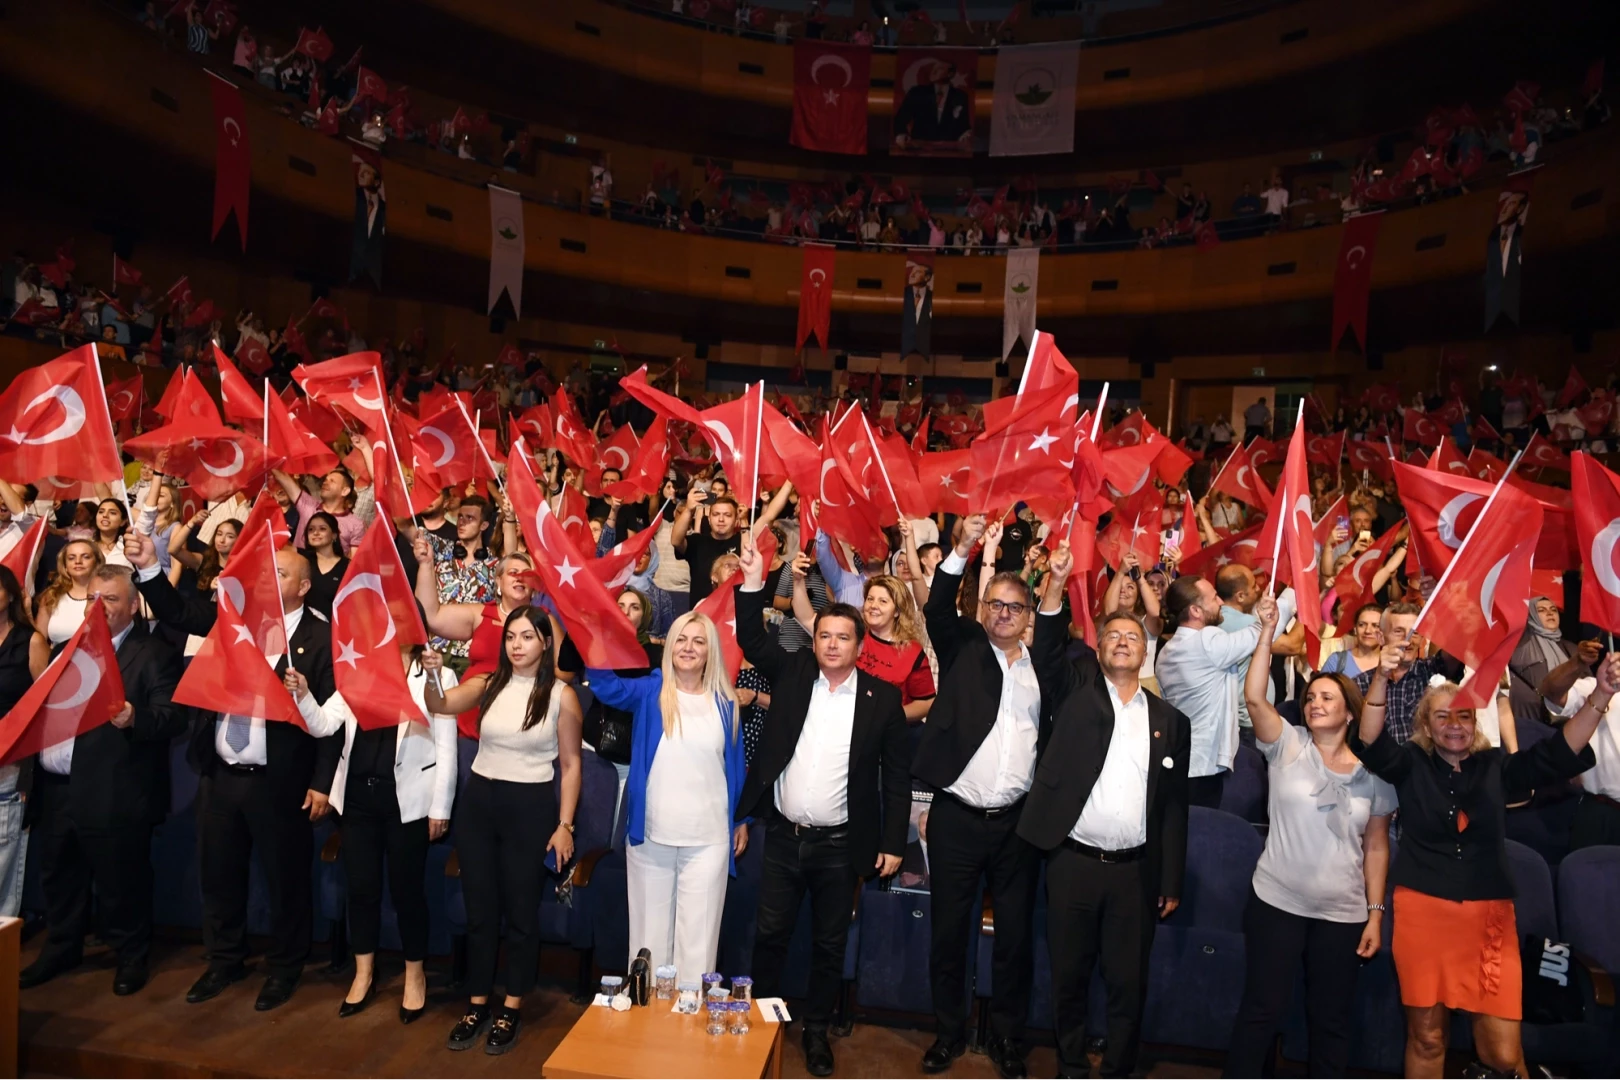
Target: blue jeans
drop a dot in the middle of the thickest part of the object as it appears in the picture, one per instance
(13, 843)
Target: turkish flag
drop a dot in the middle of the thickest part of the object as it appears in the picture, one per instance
(843, 510)
(736, 432)
(215, 460)
(1596, 415)
(1239, 479)
(1047, 366)
(571, 513)
(80, 690)
(301, 451)
(1538, 451)
(830, 86)
(1171, 463)
(236, 394)
(1482, 431)
(374, 608)
(230, 674)
(1192, 541)
(1597, 525)
(254, 356)
(1297, 555)
(232, 162)
(1263, 451)
(1352, 277)
(1126, 470)
(815, 294)
(899, 463)
(352, 383)
(1128, 432)
(1322, 531)
(1355, 581)
(603, 635)
(635, 384)
(314, 44)
(1140, 532)
(645, 475)
(1478, 611)
(1238, 548)
(1370, 457)
(573, 436)
(1023, 455)
(947, 476)
(23, 558)
(721, 608)
(617, 452)
(1326, 449)
(251, 587)
(1484, 466)
(1450, 413)
(125, 274)
(186, 397)
(447, 446)
(369, 86)
(534, 423)
(615, 569)
(1421, 428)
(54, 422)
(1447, 458)
(267, 512)
(126, 397)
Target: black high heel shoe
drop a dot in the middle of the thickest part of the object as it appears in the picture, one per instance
(349, 1008)
(411, 1016)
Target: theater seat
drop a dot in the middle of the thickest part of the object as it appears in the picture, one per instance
(892, 969)
(1245, 791)
(741, 914)
(1588, 900)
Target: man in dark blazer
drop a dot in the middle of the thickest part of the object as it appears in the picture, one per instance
(97, 798)
(977, 755)
(1109, 807)
(1504, 258)
(262, 786)
(934, 112)
(831, 779)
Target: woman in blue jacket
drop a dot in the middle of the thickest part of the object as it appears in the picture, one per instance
(686, 771)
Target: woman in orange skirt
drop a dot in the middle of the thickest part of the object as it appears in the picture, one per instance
(1455, 942)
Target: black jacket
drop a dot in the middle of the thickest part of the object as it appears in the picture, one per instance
(879, 752)
(296, 760)
(964, 711)
(1082, 727)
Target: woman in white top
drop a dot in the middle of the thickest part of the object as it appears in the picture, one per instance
(393, 790)
(1318, 890)
(60, 607)
(686, 772)
(518, 805)
(112, 518)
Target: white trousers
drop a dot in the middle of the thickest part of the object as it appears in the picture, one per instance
(677, 895)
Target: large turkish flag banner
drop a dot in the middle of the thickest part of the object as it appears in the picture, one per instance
(232, 162)
(815, 294)
(830, 86)
(1352, 277)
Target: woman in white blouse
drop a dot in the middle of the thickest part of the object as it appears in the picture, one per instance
(1318, 890)
(60, 607)
(518, 805)
(393, 790)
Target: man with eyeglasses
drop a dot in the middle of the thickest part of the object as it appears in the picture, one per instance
(1409, 682)
(977, 755)
(1109, 807)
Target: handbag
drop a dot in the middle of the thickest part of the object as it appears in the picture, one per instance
(608, 730)
(641, 974)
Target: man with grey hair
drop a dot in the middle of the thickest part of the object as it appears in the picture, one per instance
(97, 797)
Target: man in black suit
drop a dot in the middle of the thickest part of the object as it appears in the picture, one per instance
(1503, 258)
(830, 778)
(1109, 807)
(262, 785)
(936, 111)
(96, 799)
(977, 755)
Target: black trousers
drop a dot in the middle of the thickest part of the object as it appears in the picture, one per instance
(372, 831)
(1596, 822)
(501, 842)
(793, 867)
(965, 848)
(1275, 942)
(119, 863)
(1206, 790)
(1098, 910)
(238, 813)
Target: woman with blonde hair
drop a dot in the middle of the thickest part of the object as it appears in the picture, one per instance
(894, 649)
(686, 772)
(59, 609)
(1455, 946)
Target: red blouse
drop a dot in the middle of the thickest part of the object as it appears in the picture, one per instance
(905, 666)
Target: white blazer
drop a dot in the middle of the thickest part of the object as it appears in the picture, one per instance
(424, 755)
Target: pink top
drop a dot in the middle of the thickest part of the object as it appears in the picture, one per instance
(351, 530)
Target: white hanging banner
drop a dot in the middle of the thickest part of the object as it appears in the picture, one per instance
(1018, 297)
(1033, 108)
(505, 247)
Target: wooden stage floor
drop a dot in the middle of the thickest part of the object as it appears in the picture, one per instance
(74, 1026)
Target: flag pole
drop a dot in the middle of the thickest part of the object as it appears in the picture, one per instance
(479, 441)
(1282, 506)
(1446, 574)
(399, 466)
(759, 431)
(882, 469)
(1096, 421)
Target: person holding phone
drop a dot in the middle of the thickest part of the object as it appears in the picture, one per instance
(517, 807)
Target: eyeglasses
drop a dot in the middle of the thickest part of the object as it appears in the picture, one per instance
(1002, 607)
(1122, 635)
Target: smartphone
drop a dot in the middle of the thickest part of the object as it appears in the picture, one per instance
(1367, 536)
(1343, 521)
(551, 861)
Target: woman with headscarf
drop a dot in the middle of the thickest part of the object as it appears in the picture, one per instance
(1541, 650)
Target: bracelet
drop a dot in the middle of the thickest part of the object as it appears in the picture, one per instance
(1377, 907)
(1373, 704)
(569, 825)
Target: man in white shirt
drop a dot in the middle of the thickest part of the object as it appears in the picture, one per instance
(1109, 807)
(831, 781)
(1597, 817)
(1200, 672)
(977, 755)
(1276, 199)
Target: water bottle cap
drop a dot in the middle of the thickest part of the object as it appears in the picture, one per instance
(666, 971)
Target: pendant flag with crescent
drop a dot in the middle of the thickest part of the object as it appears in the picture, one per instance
(241, 403)
(815, 294)
(1352, 277)
(232, 160)
(80, 690)
(214, 459)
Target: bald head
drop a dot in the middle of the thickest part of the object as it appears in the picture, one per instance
(1234, 584)
(292, 570)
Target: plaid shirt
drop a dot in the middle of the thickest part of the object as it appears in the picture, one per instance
(1403, 695)
(461, 583)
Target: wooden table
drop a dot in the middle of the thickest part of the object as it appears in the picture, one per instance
(655, 1042)
(10, 944)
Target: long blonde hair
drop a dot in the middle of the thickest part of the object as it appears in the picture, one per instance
(1422, 719)
(61, 582)
(715, 680)
(905, 608)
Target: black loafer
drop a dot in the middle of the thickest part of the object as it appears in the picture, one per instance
(129, 979)
(469, 1027)
(44, 969)
(939, 1057)
(277, 990)
(349, 1008)
(503, 1032)
(1008, 1058)
(214, 982)
(818, 1055)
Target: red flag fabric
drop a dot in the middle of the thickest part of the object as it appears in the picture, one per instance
(815, 294)
(250, 585)
(830, 86)
(314, 44)
(375, 607)
(54, 422)
(1292, 515)
(23, 558)
(229, 674)
(126, 397)
(603, 635)
(947, 476)
(369, 86)
(214, 459)
(1447, 458)
(125, 274)
(571, 514)
(1326, 449)
(1023, 453)
(1478, 611)
(1355, 580)
(1442, 508)
(1597, 527)
(1421, 428)
(572, 436)
(254, 356)
(615, 569)
(618, 452)
(1126, 470)
(1538, 451)
(1482, 431)
(1574, 386)
(190, 399)
(242, 404)
(80, 690)
(267, 512)
(721, 608)
(1484, 466)
(352, 383)
(1322, 531)
(1263, 452)
(1047, 367)
(232, 161)
(646, 473)
(447, 446)
(1352, 277)
(1140, 532)
(1373, 457)
(1206, 237)
(301, 451)
(1238, 548)
(842, 509)
(1192, 541)
(735, 431)
(1239, 479)
(1129, 431)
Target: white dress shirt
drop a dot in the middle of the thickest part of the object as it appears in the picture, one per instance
(814, 788)
(58, 759)
(1201, 673)
(256, 752)
(1604, 777)
(1002, 768)
(1115, 815)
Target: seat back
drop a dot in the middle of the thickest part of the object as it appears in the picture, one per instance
(1532, 881)
(1222, 850)
(1246, 789)
(1588, 898)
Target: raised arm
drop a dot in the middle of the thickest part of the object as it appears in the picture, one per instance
(803, 610)
(454, 622)
(457, 699)
(1556, 685)
(837, 578)
(756, 645)
(1374, 874)
(774, 508)
(1267, 721)
(908, 547)
(1578, 730)
(1056, 676)
(683, 519)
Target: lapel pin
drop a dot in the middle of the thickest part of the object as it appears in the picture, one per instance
(300, 650)
(1169, 763)
(1155, 734)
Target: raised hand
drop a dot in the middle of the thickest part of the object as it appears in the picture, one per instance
(1390, 658)
(1061, 562)
(1265, 609)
